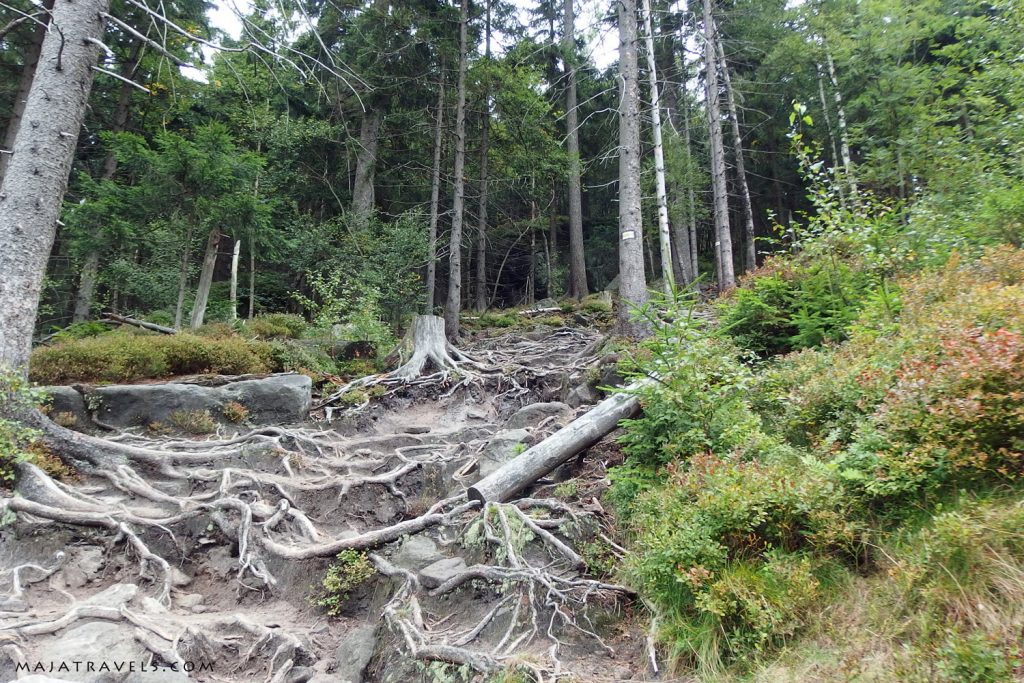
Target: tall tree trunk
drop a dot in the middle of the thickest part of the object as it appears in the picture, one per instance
(664, 237)
(234, 279)
(723, 236)
(577, 256)
(453, 305)
(186, 257)
(531, 281)
(435, 199)
(28, 72)
(205, 279)
(844, 135)
(91, 265)
(834, 143)
(37, 174)
(553, 284)
(485, 127)
(691, 214)
(252, 279)
(749, 244)
(632, 282)
(366, 165)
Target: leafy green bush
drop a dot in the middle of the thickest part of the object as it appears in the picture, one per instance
(350, 570)
(277, 326)
(123, 357)
(81, 330)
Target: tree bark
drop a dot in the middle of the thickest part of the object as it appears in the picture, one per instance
(632, 281)
(90, 267)
(749, 245)
(723, 236)
(485, 127)
(453, 305)
(515, 476)
(844, 135)
(28, 72)
(252, 278)
(366, 164)
(691, 214)
(664, 237)
(577, 256)
(186, 257)
(205, 279)
(234, 279)
(435, 199)
(37, 175)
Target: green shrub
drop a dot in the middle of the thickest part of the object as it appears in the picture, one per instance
(193, 421)
(277, 326)
(91, 328)
(350, 570)
(234, 411)
(122, 357)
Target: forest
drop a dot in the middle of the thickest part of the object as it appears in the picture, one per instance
(512, 340)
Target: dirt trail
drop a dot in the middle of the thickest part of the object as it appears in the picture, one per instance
(249, 526)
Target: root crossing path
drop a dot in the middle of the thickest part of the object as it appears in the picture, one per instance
(328, 551)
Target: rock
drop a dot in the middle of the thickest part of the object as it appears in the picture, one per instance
(74, 577)
(417, 429)
(179, 579)
(67, 408)
(190, 600)
(90, 560)
(437, 573)
(582, 395)
(99, 643)
(36, 678)
(532, 414)
(199, 609)
(115, 596)
(275, 399)
(353, 654)
(622, 674)
(502, 447)
(220, 562)
(300, 674)
(474, 414)
(416, 552)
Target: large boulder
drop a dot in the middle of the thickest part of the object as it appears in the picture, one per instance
(353, 654)
(67, 407)
(97, 647)
(274, 399)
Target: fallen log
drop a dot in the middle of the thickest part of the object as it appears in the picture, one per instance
(114, 317)
(511, 479)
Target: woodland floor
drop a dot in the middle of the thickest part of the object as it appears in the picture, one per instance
(221, 545)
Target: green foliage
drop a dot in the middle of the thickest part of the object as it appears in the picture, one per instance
(16, 440)
(277, 326)
(354, 307)
(193, 421)
(350, 570)
(82, 330)
(121, 357)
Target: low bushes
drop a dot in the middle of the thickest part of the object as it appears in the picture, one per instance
(752, 489)
(125, 357)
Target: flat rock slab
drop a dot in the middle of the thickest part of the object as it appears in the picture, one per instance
(534, 413)
(435, 574)
(99, 643)
(270, 400)
(353, 654)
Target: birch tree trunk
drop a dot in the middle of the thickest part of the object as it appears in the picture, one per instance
(749, 245)
(481, 232)
(37, 174)
(833, 142)
(577, 256)
(453, 305)
(28, 72)
(205, 279)
(664, 237)
(723, 236)
(844, 135)
(252, 278)
(234, 279)
(632, 281)
(435, 199)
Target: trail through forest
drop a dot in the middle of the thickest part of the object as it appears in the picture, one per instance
(215, 552)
